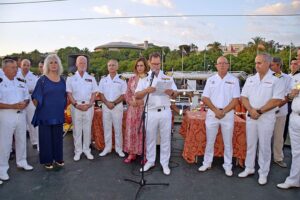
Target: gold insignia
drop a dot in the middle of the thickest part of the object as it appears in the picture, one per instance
(122, 77)
(166, 79)
(92, 74)
(278, 75)
(70, 74)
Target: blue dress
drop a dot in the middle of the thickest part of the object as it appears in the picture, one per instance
(51, 97)
(49, 116)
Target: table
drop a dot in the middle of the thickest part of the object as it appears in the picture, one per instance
(98, 132)
(193, 131)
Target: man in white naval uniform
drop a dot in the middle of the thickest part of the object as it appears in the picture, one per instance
(281, 113)
(293, 180)
(14, 98)
(261, 94)
(31, 80)
(81, 89)
(159, 116)
(221, 94)
(112, 89)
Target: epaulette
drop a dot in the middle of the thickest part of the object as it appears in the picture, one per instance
(92, 74)
(1, 79)
(122, 77)
(34, 73)
(297, 72)
(70, 74)
(168, 73)
(22, 80)
(277, 75)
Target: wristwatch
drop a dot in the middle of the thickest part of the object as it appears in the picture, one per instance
(259, 111)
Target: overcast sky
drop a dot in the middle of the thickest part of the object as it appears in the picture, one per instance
(172, 32)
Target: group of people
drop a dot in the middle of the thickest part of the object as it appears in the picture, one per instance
(265, 96)
(36, 104)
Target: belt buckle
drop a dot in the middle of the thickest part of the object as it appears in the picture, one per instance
(19, 111)
(83, 102)
(158, 110)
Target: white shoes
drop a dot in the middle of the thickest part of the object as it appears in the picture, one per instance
(262, 180)
(285, 186)
(77, 157)
(166, 170)
(25, 167)
(203, 168)
(147, 166)
(89, 156)
(104, 153)
(4, 177)
(246, 173)
(121, 154)
(228, 172)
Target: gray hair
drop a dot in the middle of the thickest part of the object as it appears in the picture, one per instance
(267, 57)
(47, 61)
(26, 60)
(277, 60)
(6, 61)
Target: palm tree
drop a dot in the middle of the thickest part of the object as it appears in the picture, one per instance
(215, 46)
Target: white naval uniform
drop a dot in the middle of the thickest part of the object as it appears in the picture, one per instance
(12, 122)
(220, 92)
(1, 73)
(158, 119)
(281, 114)
(31, 80)
(259, 92)
(82, 89)
(112, 89)
(294, 131)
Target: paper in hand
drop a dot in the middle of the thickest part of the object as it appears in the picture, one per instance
(161, 87)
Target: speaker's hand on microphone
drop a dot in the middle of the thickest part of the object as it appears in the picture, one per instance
(150, 89)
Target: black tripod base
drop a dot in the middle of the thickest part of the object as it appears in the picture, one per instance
(143, 183)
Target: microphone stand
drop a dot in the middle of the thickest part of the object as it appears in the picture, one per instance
(142, 181)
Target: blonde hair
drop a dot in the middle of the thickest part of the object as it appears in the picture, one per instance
(47, 62)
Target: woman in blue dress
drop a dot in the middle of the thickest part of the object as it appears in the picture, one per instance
(49, 96)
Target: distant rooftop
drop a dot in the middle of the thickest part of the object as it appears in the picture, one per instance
(117, 46)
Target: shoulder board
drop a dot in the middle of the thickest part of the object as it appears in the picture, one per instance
(122, 77)
(147, 74)
(168, 73)
(297, 72)
(277, 75)
(70, 74)
(92, 74)
(1, 80)
(22, 80)
(34, 73)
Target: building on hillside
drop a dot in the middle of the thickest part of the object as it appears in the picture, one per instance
(232, 49)
(117, 46)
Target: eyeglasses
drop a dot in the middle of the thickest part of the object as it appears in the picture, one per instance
(223, 63)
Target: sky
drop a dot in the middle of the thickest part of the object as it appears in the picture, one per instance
(172, 32)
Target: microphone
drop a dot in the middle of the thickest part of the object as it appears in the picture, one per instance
(152, 78)
(152, 74)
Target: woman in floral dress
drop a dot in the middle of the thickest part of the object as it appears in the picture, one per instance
(133, 139)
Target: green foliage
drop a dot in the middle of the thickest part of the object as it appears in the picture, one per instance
(192, 59)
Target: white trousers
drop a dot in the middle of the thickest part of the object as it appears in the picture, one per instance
(12, 123)
(113, 118)
(82, 122)
(33, 131)
(278, 138)
(294, 131)
(212, 126)
(259, 131)
(158, 122)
